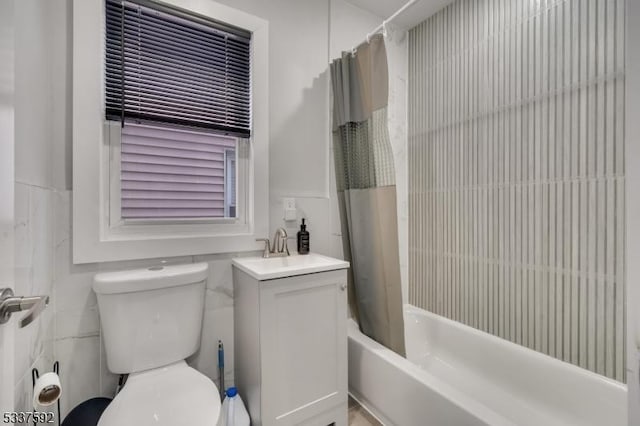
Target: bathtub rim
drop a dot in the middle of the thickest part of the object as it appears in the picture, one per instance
(461, 400)
(409, 308)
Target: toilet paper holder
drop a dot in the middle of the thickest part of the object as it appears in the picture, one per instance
(35, 374)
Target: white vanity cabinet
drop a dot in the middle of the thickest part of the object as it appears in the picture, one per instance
(291, 339)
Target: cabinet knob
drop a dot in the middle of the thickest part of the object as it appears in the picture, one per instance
(343, 287)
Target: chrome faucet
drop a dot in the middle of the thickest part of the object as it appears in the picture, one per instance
(279, 247)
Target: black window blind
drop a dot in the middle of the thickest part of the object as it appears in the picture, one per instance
(165, 66)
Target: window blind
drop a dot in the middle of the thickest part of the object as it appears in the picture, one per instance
(163, 65)
(172, 173)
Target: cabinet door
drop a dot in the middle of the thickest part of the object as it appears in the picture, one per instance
(304, 347)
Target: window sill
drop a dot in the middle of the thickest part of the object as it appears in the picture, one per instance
(158, 247)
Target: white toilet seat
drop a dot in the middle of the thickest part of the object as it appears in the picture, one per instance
(174, 395)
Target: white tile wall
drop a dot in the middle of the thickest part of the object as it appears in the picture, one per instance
(397, 57)
(77, 339)
(517, 168)
(632, 157)
(80, 372)
(218, 319)
(34, 196)
(33, 276)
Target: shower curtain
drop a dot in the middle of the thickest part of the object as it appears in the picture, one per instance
(365, 180)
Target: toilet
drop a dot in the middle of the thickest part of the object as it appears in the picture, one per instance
(151, 322)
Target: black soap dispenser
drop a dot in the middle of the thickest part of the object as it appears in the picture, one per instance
(303, 239)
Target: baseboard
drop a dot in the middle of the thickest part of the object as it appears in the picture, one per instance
(369, 408)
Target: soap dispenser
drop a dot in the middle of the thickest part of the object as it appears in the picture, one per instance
(303, 239)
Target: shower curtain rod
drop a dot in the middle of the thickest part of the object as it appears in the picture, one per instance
(383, 26)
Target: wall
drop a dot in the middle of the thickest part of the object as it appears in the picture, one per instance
(7, 179)
(517, 178)
(301, 159)
(303, 35)
(397, 56)
(34, 191)
(633, 209)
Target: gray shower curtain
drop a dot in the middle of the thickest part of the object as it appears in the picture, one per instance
(365, 178)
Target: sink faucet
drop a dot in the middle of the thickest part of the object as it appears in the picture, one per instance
(279, 247)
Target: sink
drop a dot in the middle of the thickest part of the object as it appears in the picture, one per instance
(280, 267)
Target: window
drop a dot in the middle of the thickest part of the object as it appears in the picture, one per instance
(168, 173)
(189, 78)
(178, 103)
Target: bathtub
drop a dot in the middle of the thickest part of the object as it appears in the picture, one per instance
(457, 375)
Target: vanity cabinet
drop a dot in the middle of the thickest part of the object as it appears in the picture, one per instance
(290, 346)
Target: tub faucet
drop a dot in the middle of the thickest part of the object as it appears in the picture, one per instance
(279, 247)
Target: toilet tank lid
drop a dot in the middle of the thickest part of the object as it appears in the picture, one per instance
(152, 278)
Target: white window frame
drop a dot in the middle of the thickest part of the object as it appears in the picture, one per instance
(99, 233)
(239, 175)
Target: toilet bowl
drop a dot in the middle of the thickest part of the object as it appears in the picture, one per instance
(172, 395)
(151, 322)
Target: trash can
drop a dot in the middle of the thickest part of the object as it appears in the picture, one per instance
(87, 413)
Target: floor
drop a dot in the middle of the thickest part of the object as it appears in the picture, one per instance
(358, 416)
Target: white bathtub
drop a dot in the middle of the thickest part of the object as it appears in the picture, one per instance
(457, 375)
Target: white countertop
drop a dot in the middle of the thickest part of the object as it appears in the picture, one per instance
(280, 267)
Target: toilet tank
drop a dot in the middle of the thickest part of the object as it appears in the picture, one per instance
(150, 317)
